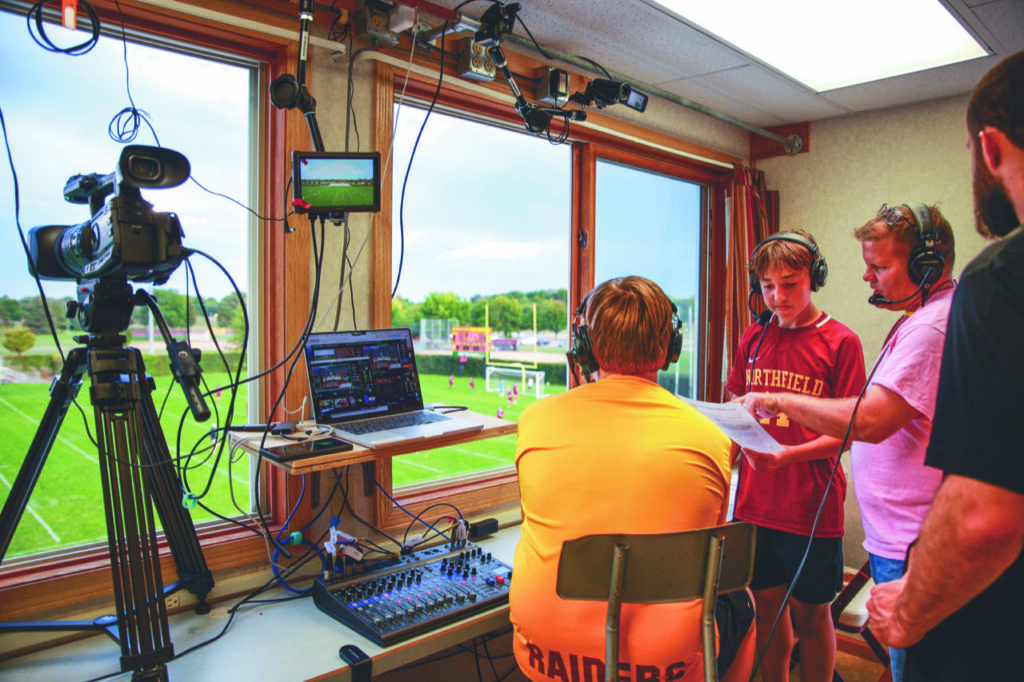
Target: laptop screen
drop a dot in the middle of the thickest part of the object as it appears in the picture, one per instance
(361, 374)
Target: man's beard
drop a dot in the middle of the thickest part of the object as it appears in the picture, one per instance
(994, 214)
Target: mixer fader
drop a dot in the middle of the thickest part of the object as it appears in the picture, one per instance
(402, 597)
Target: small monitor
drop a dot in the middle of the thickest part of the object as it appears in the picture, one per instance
(334, 183)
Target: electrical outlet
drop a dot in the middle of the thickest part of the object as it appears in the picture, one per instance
(474, 61)
(172, 602)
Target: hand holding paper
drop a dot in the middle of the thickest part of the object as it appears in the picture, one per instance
(737, 423)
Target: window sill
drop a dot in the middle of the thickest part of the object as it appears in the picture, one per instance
(58, 584)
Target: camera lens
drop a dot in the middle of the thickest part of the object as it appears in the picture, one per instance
(75, 246)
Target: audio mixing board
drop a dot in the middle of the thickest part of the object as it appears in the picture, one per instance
(395, 599)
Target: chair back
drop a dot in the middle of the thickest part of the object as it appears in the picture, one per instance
(657, 568)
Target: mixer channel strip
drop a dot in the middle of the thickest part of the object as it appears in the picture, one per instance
(415, 593)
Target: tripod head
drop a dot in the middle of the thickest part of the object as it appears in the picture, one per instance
(104, 310)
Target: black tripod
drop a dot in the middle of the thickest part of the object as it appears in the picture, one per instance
(136, 472)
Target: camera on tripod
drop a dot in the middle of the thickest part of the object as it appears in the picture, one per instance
(124, 237)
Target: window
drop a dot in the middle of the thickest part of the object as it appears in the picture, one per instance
(679, 232)
(651, 224)
(68, 577)
(497, 263)
(57, 128)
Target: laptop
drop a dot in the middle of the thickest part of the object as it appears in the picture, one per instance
(365, 386)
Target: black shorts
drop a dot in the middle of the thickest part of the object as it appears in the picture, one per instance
(734, 613)
(778, 555)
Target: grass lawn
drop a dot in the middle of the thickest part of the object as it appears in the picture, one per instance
(66, 506)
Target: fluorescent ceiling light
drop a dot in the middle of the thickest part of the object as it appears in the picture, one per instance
(828, 44)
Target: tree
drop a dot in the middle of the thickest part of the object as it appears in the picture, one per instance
(173, 306)
(10, 310)
(504, 314)
(229, 312)
(35, 315)
(445, 306)
(551, 315)
(405, 313)
(19, 339)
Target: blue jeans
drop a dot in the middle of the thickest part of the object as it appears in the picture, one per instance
(882, 571)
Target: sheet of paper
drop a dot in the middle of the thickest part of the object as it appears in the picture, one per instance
(738, 424)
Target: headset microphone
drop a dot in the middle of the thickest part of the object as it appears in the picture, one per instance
(878, 299)
(765, 317)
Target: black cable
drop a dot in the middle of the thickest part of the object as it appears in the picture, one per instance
(35, 15)
(412, 155)
(125, 125)
(602, 69)
(817, 517)
(297, 352)
(237, 202)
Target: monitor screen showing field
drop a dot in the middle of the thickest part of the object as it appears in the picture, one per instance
(335, 183)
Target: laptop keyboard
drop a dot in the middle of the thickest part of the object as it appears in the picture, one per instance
(393, 422)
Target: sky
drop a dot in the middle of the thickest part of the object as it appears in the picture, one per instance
(487, 211)
(57, 109)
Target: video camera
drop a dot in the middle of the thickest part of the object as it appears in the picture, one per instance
(124, 237)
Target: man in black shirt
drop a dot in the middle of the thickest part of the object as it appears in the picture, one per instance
(959, 606)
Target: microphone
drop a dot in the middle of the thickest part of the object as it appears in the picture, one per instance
(762, 319)
(878, 299)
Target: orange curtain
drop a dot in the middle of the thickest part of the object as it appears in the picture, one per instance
(754, 214)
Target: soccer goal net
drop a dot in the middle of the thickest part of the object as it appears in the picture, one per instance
(516, 379)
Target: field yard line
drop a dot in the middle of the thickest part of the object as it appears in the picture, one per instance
(32, 511)
(59, 437)
(409, 462)
(480, 455)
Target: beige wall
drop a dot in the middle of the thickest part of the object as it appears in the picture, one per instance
(914, 153)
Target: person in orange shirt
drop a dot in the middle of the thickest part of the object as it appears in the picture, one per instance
(619, 455)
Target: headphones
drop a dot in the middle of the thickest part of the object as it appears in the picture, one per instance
(925, 263)
(581, 353)
(819, 268)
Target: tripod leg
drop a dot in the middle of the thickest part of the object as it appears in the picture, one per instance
(131, 525)
(62, 393)
(166, 490)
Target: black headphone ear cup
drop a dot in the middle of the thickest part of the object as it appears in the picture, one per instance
(582, 352)
(925, 263)
(819, 272)
(675, 342)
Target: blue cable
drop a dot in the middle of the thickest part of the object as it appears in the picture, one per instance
(367, 472)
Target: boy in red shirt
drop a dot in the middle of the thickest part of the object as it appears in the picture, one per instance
(802, 350)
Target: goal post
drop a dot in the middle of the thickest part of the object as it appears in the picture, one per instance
(525, 380)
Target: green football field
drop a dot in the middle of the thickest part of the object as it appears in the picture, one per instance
(66, 506)
(357, 195)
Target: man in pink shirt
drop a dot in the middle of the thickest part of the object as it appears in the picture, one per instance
(908, 253)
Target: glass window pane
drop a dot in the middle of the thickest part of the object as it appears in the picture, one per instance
(486, 261)
(57, 127)
(649, 224)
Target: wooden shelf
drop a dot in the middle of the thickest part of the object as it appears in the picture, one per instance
(493, 427)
